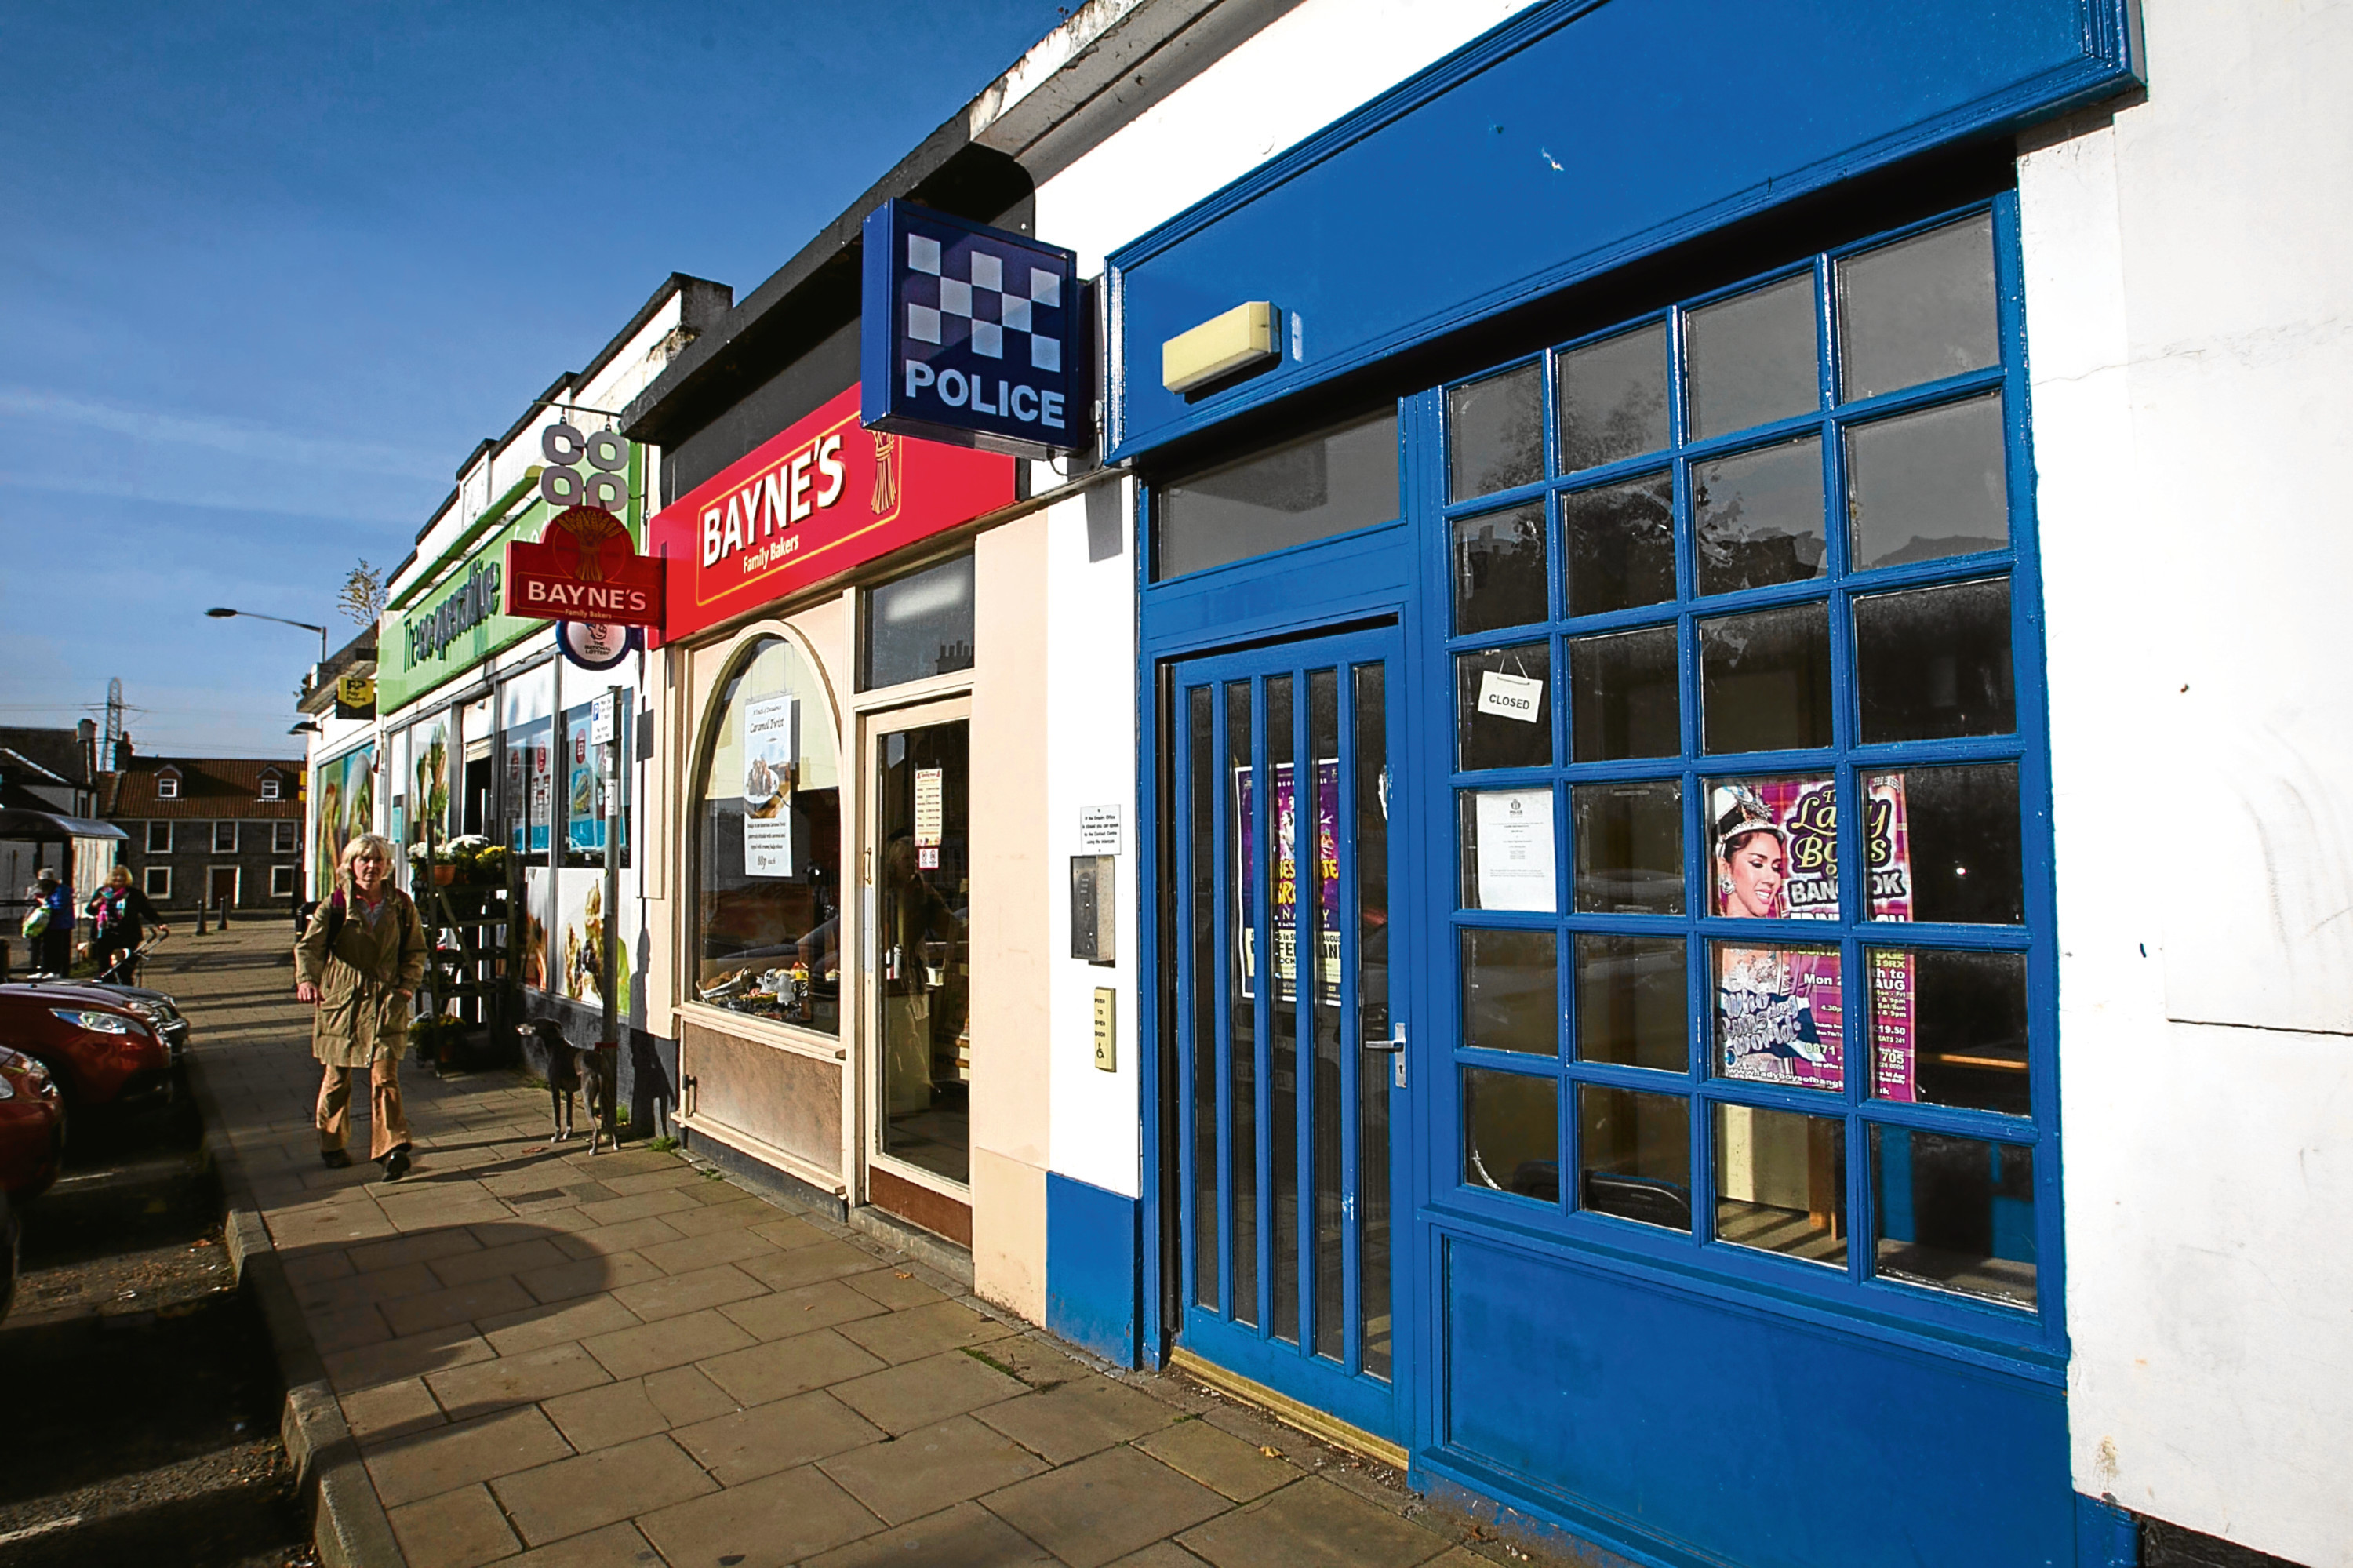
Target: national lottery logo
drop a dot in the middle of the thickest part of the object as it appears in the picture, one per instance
(1000, 325)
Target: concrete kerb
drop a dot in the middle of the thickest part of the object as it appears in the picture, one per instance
(349, 1527)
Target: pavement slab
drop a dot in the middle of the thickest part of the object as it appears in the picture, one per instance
(549, 1359)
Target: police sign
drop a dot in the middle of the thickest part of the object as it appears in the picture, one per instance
(971, 335)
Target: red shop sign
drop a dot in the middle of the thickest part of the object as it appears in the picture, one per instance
(584, 568)
(823, 497)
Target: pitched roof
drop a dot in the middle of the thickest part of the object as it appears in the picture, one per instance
(210, 787)
(58, 750)
(13, 764)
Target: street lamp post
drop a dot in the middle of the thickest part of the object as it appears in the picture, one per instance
(220, 614)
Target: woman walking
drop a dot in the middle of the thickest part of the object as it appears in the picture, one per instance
(359, 962)
(121, 914)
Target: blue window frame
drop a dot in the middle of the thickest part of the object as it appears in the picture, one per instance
(1742, 596)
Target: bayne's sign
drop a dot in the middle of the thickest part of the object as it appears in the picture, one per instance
(584, 568)
(818, 500)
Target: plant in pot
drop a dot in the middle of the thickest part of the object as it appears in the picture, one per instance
(442, 869)
(436, 1039)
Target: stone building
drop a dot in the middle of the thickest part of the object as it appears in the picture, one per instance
(209, 828)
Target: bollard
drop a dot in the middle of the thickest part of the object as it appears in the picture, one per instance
(200, 916)
(224, 912)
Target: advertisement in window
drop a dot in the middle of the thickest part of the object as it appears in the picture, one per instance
(1283, 874)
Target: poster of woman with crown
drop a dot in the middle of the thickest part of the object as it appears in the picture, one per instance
(1781, 1011)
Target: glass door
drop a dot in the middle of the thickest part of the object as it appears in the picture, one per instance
(921, 872)
(1289, 1057)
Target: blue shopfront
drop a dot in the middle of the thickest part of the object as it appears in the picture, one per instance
(1596, 778)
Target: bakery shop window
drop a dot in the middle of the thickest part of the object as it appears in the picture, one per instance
(767, 846)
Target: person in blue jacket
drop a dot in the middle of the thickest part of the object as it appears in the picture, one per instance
(53, 949)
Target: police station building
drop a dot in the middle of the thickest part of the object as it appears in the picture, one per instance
(1742, 892)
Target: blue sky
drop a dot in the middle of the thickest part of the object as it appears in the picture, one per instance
(268, 273)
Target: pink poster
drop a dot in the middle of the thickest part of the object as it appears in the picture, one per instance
(1779, 1016)
(1779, 1011)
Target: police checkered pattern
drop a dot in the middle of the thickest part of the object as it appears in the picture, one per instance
(996, 319)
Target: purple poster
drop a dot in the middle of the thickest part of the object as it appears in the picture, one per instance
(1283, 876)
(1779, 1015)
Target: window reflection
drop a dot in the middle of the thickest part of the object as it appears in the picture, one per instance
(1620, 545)
(768, 936)
(1934, 663)
(1766, 680)
(1753, 358)
(1511, 992)
(1630, 847)
(1623, 699)
(1926, 485)
(1631, 1006)
(1633, 1155)
(1919, 310)
(1302, 491)
(1756, 517)
(1499, 570)
(1955, 1213)
(1511, 1133)
(1613, 399)
(1494, 433)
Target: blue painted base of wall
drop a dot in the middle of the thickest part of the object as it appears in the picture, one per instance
(1091, 1272)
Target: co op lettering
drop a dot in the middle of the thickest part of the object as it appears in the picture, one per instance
(774, 501)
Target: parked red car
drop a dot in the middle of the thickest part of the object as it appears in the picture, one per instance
(32, 1127)
(99, 1051)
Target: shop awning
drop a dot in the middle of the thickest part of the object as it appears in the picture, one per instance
(24, 822)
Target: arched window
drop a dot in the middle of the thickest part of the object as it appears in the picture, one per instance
(768, 853)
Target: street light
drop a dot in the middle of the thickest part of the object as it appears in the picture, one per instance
(220, 614)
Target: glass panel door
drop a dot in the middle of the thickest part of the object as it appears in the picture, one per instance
(1282, 796)
(923, 890)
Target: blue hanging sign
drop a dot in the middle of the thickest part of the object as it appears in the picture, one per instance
(971, 335)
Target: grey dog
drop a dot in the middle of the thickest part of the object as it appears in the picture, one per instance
(571, 1069)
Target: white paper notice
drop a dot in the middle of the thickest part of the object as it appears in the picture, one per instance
(1099, 830)
(927, 806)
(1513, 696)
(1515, 848)
(771, 732)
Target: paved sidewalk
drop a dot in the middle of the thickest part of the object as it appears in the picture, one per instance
(551, 1358)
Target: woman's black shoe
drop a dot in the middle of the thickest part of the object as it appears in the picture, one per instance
(395, 1164)
(334, 1159)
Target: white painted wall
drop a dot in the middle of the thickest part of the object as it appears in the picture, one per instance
(1306, 69)
(1090, 761)
(2191, 349)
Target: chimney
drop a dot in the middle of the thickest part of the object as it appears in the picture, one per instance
(86, 732)
(122, 753)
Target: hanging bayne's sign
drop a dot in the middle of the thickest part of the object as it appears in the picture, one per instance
(971, 335)
(584, 566)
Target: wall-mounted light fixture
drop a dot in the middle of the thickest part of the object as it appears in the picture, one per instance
(1221, 346)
